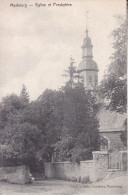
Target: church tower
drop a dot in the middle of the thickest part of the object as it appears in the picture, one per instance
(88, 68)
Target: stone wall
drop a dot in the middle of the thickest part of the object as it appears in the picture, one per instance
(100, 165)
(16, 174)
(86, 171)
(69, 171)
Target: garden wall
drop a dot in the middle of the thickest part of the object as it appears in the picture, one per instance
(86, 171)
(16, 174)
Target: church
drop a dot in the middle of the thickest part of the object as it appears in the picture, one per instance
(111, 123)
(88, 68)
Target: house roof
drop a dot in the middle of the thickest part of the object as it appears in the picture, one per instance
(110, 121)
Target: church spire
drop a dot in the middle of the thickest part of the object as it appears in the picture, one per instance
(88, 68)
(87, 45)
(87, 23)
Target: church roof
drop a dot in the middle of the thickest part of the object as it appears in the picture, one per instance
(87, 41)
(110, 121)
(87, 64)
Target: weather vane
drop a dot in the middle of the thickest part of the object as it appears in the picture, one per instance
(87, 12)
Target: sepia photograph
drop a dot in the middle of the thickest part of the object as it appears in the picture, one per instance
(63, 97)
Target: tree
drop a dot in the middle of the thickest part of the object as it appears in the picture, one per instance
(9, 107)
(114, 84)
(73, 77)
(79, 134)
(30, 130)
(69, 73)
(50, 106)
(20, 137)
(24, 94)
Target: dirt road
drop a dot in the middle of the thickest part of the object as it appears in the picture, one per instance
(113, 186)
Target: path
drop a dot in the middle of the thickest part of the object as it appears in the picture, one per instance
(114, 186)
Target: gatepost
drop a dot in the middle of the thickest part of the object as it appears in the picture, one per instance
(100, 165)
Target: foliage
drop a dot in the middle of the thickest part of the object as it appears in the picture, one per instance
(73, 77)
(59, 122)
(50, 107)
(9, 108)
(80, 126)
(24, 95)
(79, 135)
(19, 136)
(69, 73)
(114, 85)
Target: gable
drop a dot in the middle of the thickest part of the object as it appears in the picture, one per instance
(110, 121)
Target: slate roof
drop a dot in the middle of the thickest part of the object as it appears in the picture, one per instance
(110, 121)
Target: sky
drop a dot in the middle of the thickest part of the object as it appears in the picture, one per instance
(36, 43)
